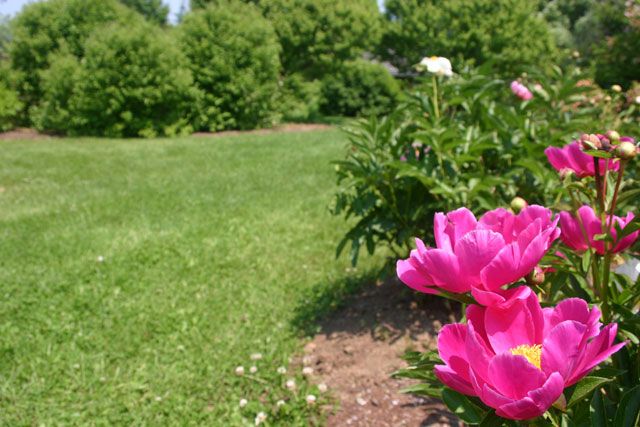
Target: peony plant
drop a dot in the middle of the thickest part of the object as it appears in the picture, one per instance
(530, 349)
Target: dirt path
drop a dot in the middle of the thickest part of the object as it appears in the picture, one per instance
(360, 346)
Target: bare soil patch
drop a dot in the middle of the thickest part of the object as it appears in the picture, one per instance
(23, 133)
(287, 127)
(360, 345)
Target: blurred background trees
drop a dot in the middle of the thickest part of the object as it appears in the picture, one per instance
(251, 63)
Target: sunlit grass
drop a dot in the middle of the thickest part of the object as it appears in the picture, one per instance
(209, 247)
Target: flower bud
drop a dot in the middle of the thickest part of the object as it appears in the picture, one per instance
(517, 204)
(535, 278)
(613, 136)
(616, 88)
(626, 150)
(607, 98)
(590, 142)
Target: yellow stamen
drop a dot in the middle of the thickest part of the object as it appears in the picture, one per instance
(433, 58)
(532, 353)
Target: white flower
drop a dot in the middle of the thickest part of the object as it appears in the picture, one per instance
(243, 403)
(638, 99)
(260, 418)
(253, 369)
(100, 258)
(282, 370)
(311, 400)
(616, 88)
(256, 356)
(307, 371)
(322, 388)
(290, 384)
(280, 403)
(240, 371)
(437, 65)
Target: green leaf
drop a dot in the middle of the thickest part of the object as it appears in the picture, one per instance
(584, 387)
(492, 420)
(597, 410)
(423, 390)
(628, 409)
(460, 405)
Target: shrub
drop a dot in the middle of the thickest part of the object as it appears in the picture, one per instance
(5, 37)
(233, 54)
(10, 107)
(480, 147)
(42, 28)
(133, 81)
(508, 32)
(299, 99)
(359, 87)
(317, 34)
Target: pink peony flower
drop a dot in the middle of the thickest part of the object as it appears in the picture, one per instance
(518, 358)
(480, 256)
(573, 234)
(572, 158)
(521, 91)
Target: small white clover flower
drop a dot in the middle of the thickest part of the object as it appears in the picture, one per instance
(322, 388)
(260, 418)
(280, 403)
(282, 370)
(253, 369)
(307, 371)
(243, 403)
(637, 99)
(290, 384)
(256, 356)
(100, 258)
(240, 371)
(311, 400)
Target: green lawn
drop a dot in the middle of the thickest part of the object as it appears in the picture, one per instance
(212, 248)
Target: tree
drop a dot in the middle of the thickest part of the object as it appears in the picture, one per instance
(233, 55)
(5, 36)
(43, 28)
(153, 10)
(508, 32)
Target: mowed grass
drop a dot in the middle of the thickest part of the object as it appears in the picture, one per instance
(210, 247)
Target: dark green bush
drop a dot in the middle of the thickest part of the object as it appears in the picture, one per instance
(233, 54)
(508, 32)
(10, 107)
(299, 99)
(132, 81)
(359, 88)
(43, 27)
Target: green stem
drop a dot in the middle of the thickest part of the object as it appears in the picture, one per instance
(435, 97)
(605, 287)
(461, 298)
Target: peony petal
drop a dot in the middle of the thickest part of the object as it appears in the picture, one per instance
(499, 220)
(562, 348)
(572, 235)
(479, 354)
(503, 269)
(474, 251)
(557, 158)
(443, 241)
(444, 269)
(451, 341)
(461, 221)
(597, 351)
(414, 278)
(546, 395)
(520, 323)
(522, 409)
(513, 376)
(450, 378)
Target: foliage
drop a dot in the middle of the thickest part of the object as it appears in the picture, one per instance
(299, 98)
(153, 10)
(10, 107)
(133, 81)
(233, 55)
(152, 335)
(480, 148)
(475, 31)
(318, 34)
(43, 28)
(5, 36)
(358, 88)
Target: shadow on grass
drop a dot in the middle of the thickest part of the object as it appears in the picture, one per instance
(373, 302)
